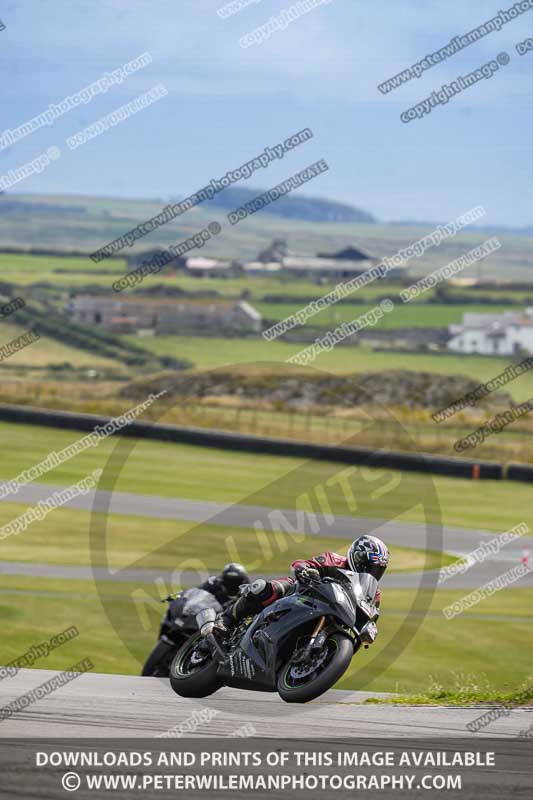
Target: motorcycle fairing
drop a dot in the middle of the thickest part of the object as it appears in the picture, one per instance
(253, 663)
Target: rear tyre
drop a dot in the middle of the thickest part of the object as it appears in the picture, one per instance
(157, 665)
(191, 675)
(295, 687)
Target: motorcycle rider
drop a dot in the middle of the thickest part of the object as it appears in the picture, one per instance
(366, 554)
(225, 587)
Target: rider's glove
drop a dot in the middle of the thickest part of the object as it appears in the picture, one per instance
(306, 574)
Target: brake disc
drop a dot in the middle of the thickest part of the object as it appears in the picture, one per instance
(308, 669)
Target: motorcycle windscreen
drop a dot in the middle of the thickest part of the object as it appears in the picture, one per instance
(369, 585)
(362, 583)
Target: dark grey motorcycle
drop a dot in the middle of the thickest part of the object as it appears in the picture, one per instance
(177, 626)
(299, 646)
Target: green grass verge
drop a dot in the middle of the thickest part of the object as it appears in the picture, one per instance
(33, 610)
(175, 470)
(443, 653)
(466, 690)
(63, 538)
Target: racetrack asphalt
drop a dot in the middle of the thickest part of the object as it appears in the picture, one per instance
(458, 541)
(125, 706)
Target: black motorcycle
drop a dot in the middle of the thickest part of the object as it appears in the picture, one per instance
(177, 626)
(299, 646)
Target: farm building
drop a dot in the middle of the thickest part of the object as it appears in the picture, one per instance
(343, 265)
(196, 266)
(135, 260)
(165, 315)
(202, 267)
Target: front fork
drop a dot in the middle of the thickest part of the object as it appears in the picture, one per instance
(316, 641)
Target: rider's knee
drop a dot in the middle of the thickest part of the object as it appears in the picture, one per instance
(259, 587)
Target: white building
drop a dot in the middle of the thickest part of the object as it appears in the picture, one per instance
(507, 334)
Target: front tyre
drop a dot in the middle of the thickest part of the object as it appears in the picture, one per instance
(299, 683)
(193, 672)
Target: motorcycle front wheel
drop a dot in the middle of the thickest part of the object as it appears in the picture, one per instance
(194, 673)
(299, 683)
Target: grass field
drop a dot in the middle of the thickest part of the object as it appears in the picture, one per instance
(37, 609)
(441, 651)
(173, 470)
(489, 646)
(212, 352)
(48, 351)
(63, 538)
(412, 315)
(74, 273)
(25, 270)
(34, 610)
(94, 221)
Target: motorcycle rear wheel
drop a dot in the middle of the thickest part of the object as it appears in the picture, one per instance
(300, 690)
(189, 680)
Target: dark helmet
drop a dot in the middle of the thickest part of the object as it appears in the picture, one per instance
(368, 554)
(232, 576)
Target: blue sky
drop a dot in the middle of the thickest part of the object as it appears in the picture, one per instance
(225, 104)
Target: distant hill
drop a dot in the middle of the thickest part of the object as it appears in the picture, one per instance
(308, 209)
(17, 207)
(80, 224)
(494, 228)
